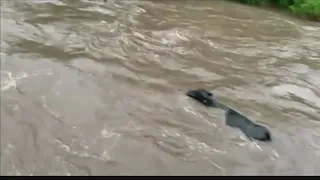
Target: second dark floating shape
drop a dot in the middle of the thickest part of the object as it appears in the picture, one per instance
(233, 118)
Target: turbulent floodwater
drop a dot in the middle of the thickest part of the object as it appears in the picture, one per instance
(98, 88)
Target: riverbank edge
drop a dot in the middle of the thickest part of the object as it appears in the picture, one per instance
(292, 9)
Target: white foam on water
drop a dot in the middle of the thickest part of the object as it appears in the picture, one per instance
(10, 83)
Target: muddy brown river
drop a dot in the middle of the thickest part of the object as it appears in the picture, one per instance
(98, 88)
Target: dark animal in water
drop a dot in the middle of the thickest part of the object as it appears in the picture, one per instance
(233, 118)
(249, 128)
(206, 98)
(202, 96)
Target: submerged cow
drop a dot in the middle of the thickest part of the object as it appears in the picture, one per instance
(233, 118)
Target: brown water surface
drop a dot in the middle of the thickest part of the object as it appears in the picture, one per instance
(98, 88)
